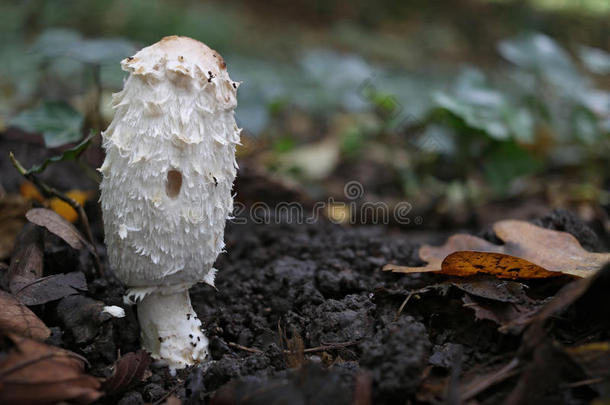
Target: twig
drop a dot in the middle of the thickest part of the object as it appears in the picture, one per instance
(404, 303)
(583, 382)
(330, 346)
(244, 348)
(51, 191)
(285, 351)
(480, 384)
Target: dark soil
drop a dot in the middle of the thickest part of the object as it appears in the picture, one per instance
(319, 286)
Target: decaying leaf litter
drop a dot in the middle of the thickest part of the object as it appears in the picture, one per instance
(341, 320)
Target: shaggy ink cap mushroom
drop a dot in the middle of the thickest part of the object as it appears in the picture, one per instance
(166, 188)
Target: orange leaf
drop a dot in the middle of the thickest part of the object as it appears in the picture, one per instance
(30, 192)
(64, 209)
(469, 263)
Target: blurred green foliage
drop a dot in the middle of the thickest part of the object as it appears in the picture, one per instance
(538, 109)
(58, 122)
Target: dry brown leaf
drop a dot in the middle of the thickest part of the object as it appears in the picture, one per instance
(553, 250)
(51, 288)
(58, 226)
(18, 319)
(502, 313)
(549, 250)
(35, 373)
(492, 289)
(128, 370)
(12, 219)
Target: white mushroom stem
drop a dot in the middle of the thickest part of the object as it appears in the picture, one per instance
(170, 329)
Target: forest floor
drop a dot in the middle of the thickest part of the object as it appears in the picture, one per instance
(304, 314)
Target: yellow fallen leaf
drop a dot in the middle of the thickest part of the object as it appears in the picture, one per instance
(31, 193)
(64, 209)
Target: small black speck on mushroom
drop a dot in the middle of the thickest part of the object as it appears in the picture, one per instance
(188, 317)
(234, 86)
(181, 58)
(160, 339)
(215, 181)
(191, 335)
(130, 58)
(198, 339)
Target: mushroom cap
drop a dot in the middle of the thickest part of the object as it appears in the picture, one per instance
(184, 57)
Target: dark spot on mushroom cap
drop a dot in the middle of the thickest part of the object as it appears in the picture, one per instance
(234, 85)
(181, 58)
(190, 335)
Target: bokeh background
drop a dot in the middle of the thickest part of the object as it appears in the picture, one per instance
(469, 110)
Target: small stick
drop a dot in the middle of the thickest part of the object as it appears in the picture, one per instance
(310, 350)
(404, 303)
(244, 348)
(329, 347)
(50, 191)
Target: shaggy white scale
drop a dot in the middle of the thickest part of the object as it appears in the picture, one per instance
(166, 188)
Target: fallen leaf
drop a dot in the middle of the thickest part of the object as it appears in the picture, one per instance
(469, 263)
(128, 371)
(64, 209)
(58, 226)
(18, 319)
(51, 288)
(29, 192)
(537, 252)
(36, 373)
(12, 219)
(553, 250)
(27, 258)
(493, 289)
(501, 313)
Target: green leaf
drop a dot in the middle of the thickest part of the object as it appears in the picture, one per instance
(505, 162)
(56, 43)
(70, 154)
(595, 60)
(58, 122)
(541, 54)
